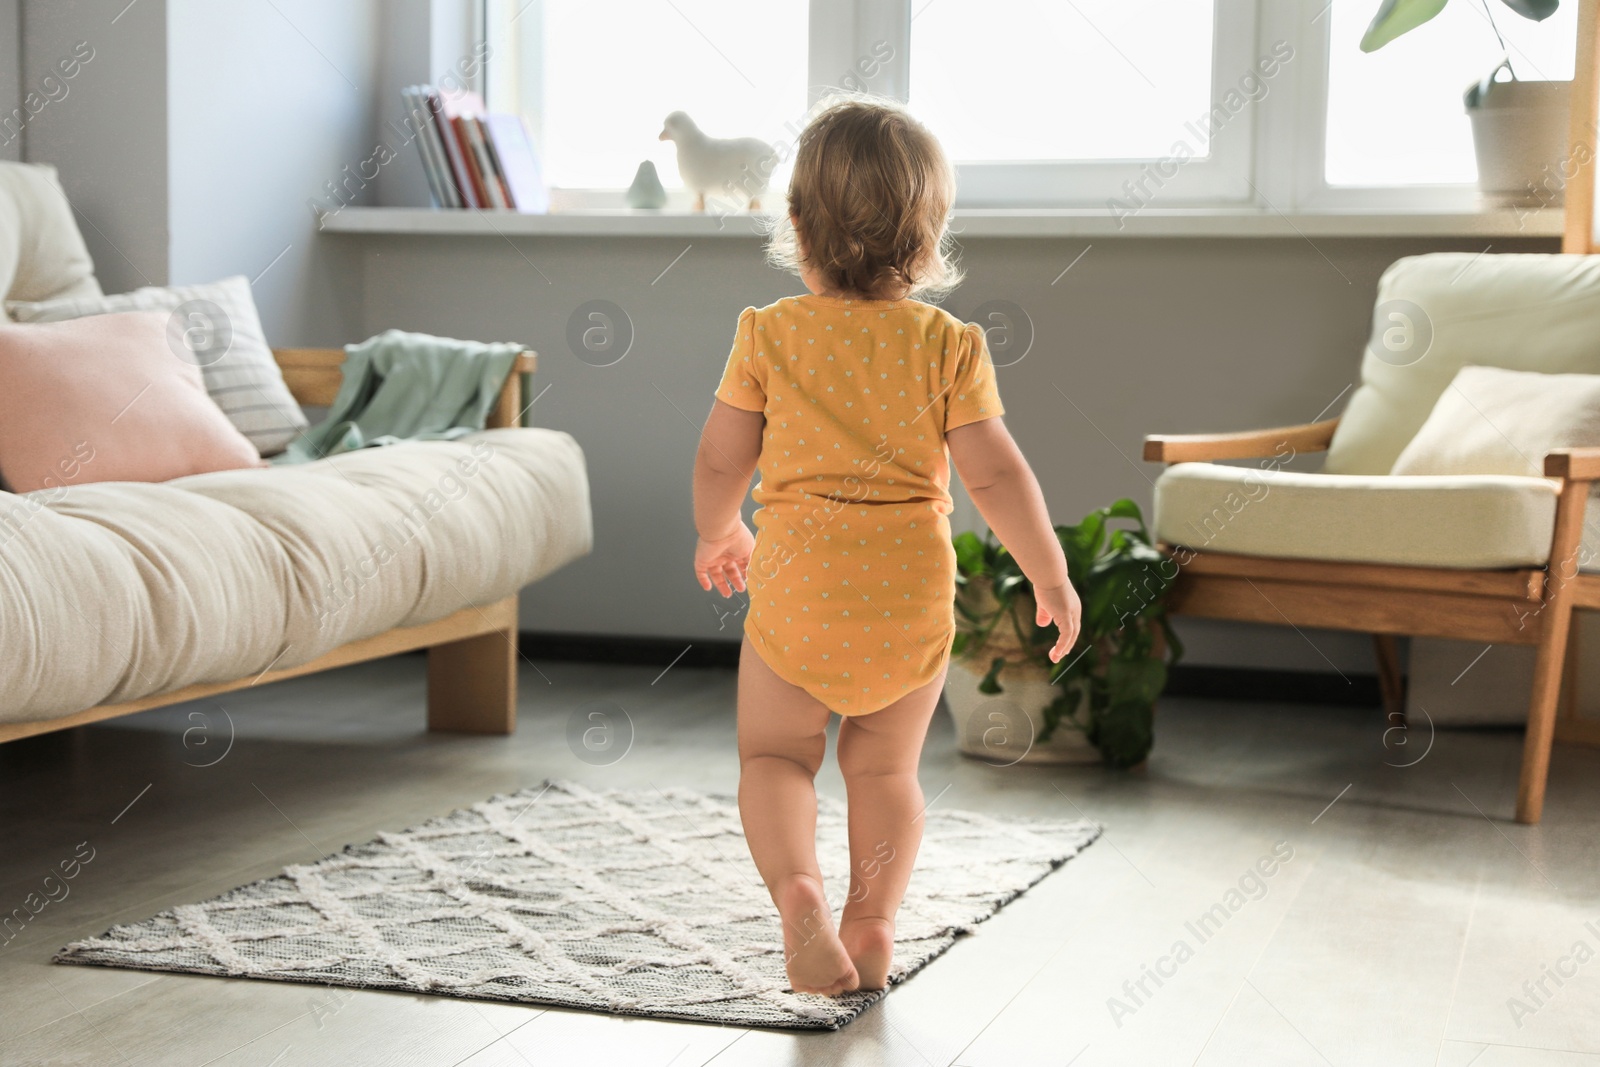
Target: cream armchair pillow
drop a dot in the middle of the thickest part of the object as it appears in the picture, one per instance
(1494, 421)
(42, 254)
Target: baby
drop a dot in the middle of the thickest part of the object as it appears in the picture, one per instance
(852, 402)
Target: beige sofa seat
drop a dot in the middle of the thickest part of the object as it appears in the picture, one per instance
(114, 591)
(1477, 521)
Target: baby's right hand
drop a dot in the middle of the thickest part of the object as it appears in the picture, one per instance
(1060, 605)
(723, 562)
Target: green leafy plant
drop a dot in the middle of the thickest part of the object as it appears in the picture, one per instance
(1397, 17)
(1110, 680)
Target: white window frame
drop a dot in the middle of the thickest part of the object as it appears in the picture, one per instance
(1293, 163)
(1271, 156)
(1220, 177)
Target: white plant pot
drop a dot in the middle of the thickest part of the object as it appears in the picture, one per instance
(1520, 136)
(1003, 728)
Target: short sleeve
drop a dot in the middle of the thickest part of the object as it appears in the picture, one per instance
(744, 380)
(973, 395)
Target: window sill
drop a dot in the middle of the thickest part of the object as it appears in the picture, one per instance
(968, 223)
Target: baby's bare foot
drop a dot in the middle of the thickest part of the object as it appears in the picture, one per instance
(815, 958)
(870, 942)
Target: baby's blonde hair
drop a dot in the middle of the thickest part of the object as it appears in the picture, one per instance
(869, 200)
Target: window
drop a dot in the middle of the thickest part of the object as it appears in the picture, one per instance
(1395, 116)
(1112, 104)
(1091, 80)
(1122, 103)
(595, 78)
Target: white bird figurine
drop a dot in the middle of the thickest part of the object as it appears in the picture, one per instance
(738, 167)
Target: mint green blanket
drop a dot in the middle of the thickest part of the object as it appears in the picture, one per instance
(407, 386)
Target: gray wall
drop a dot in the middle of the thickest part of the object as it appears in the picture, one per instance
(202, 166)
(108, 135)
(1142, 335)
(10, 74)
(267, 104)
(193, 142)
(429, 42)
(406, 59)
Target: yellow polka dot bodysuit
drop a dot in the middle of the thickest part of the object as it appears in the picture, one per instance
(852, 581)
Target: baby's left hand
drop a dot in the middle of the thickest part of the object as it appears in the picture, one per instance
(723, 562)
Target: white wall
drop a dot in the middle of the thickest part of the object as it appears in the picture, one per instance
(108, 135)
(266, 104)
(1142, 335)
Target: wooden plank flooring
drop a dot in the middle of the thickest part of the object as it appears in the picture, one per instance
(1411, 912)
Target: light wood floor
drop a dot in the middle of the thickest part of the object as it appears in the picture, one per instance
(1412, 909)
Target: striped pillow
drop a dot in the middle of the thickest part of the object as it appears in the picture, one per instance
(216, 327)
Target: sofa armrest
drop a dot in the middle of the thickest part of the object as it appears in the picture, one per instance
(1249, 444)
(313, 377)
(1573, 464)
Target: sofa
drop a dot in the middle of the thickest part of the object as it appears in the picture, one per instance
(118, 596)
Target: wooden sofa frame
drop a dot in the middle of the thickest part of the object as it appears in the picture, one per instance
(472, 654)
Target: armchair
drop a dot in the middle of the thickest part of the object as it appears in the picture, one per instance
(1491, 558)
(1529, 605)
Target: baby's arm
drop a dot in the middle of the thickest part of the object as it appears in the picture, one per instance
(1007, 494)
(730, 445)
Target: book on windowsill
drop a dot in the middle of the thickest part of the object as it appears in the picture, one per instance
(472, 158)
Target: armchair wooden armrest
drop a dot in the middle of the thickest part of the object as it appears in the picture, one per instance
(1573, 464)
(1248, 444)
(313, 377)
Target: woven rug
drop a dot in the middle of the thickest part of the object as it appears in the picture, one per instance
(639, 903)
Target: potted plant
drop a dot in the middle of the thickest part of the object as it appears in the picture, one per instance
(1009, 702)
(1519, 128)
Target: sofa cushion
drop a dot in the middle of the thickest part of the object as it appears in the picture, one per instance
(216, 327)
(42, 254)
(1437, 313)
(1478, 521)
(1494, 421)
(105, 400)
(116, 591)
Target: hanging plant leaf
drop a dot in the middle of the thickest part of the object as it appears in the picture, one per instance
(1110, 679)
(1396, 17)
(1139, 681)
(969, 553)
(1124, 732)
(991, 681)
(1537, 10)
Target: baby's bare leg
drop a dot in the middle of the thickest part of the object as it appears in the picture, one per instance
(782, 737)
(878, 754)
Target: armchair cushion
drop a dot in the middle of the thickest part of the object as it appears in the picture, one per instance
(1494, 421)
(1438, 313)
(1465, 521)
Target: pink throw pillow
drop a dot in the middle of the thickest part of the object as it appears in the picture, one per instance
(107, 399)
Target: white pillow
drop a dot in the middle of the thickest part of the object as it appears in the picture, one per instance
(42, 254)
(216, 326)
(1439, 312)
(1494, 421)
